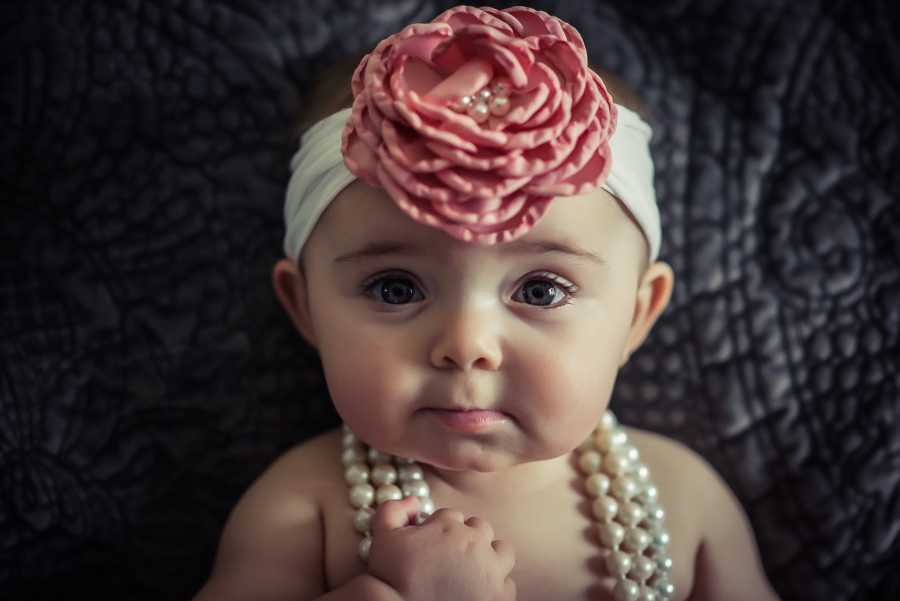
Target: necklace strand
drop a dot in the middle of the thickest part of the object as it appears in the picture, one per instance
(629, 521)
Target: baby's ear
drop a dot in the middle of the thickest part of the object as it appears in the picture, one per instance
(289, 283)
(654, 292)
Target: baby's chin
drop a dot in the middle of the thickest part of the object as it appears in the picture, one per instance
(472, 457)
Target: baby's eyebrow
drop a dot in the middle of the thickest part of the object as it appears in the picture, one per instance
(380, 248)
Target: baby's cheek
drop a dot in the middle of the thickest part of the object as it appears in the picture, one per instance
(365, 384)
(571, 391)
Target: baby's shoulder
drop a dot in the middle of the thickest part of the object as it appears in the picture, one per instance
(687, 483)
(272, 541)
(706, 520)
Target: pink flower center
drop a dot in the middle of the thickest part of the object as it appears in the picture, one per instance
(493, 99)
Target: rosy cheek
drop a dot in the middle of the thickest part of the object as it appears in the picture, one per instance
(362, 379)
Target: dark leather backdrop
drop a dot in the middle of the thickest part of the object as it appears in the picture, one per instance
(147, 375)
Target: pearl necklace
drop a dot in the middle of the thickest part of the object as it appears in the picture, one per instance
(624, 504)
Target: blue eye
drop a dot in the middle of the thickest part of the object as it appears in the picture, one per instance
(393, 290)
(548, 291)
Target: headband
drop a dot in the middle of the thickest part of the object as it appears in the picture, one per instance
(473, 126)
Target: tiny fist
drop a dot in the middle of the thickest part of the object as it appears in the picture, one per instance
(395, 514)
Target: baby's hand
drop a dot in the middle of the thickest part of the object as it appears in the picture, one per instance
(447, 558)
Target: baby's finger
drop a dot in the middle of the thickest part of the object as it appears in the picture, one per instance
(445, 513)
(509, 590)
(480, 524)
(394, 514)
(506, 554)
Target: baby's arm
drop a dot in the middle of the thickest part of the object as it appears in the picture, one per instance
(727, 564)
(272, 549)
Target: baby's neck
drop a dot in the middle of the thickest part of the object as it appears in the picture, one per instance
(512, 483)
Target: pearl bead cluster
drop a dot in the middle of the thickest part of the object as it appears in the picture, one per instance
(624, 503)
(490, 100)
(373, 478)
(629, 518)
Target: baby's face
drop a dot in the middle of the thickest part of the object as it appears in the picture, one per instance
(408, 320)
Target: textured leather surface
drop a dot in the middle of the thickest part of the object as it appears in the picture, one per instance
(147, 375)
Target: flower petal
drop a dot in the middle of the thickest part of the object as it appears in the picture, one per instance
(588, 178)
(459, 17)
(482, 211)
(584, 145)
(484, 160)
(548, 131)
(578, 140)
(411, 150)
(481, 184)
(422, 185)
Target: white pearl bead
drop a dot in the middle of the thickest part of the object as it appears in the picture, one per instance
(358, 473)
(618, 563)
(664, 564)
(641, 568)
(401, 461)
(649, 495)
(352, 455)
(501, 87)
(365, 545)
(632, 453)
(499, 106)
(605, 508)
(610, 534)
(362, 521)
(647, 594)
(362, 495)
(608, 420)
(636, 540)
(663, 586)
(426, 505)
(606, 440)
(596, 485)
(642, 473)
(661, 538)
(375, 457)
(630, 514)
(349, 439)
(479, 112)
(383, 473)
(615, 463)
(626, 590)
(415, 488)
(387, 492)
(590, 462)
(485, 94)
(623, 488)
(654, 515)
(407, 473)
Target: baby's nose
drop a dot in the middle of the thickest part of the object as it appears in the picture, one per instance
(467, 338)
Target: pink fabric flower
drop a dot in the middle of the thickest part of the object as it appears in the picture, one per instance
(474, 122)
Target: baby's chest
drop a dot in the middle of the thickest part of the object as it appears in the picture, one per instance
(557, 557)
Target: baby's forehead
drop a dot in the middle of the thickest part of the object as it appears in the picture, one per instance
(361, 214)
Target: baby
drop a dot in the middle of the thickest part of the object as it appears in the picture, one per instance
(472, 249)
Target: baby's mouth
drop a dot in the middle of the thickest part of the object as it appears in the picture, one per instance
(469, 420)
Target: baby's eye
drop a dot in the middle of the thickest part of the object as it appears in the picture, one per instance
(548, 291)
(393, 290)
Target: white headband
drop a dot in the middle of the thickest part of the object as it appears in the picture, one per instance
(318, 174)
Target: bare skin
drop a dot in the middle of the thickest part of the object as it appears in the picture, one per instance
(468, 337)
(267, 548)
